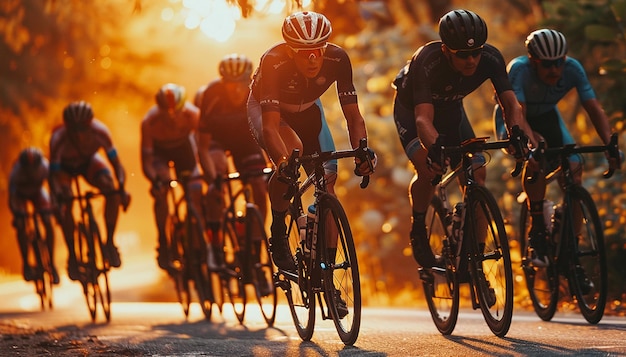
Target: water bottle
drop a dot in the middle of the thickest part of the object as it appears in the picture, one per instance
(456, 220)
(548, 213)
(311, 213)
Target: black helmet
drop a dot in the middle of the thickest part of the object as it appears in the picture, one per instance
(462, 30)
(31, 157)
(77, 114)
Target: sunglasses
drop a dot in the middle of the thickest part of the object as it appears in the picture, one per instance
(465, 54)
(309, 53)
(551, 63)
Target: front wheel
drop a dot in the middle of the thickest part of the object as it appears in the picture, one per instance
(588, 270)
(442, 291)
(491, 269)
(542, 282)
(340, 269)
(232, 276)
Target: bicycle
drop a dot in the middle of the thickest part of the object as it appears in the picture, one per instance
(317, 269)
(188, 249)
(575, 243)
(40, 260)
(456, 238)
(93, 264)
(246, 254)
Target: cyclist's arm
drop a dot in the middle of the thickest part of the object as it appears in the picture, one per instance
(356, 123)
(424, 117)
(276, 148)
(207, 164)
(598, 118)
(147, 151)
(114, 160)
(514, 114)
(55, 161)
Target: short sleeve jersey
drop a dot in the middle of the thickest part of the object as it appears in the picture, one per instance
(540, 98)
(429, 78)
(279, 86)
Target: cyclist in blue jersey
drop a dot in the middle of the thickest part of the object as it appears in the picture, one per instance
(285, 113)
(429, 104)
(540, 80)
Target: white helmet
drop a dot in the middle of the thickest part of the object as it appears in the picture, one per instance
(546, 44)
(306, 30)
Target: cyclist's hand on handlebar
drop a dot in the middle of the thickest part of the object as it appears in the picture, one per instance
(365, 167)
(125, 199)
(286, 172)
(435, 159)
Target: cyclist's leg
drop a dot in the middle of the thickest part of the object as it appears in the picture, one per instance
(67, 220)
(213, 204)
(99, 175)
(160, 208)
(18, 209)
(421, 189)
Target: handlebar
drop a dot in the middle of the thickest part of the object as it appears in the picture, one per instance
(292, 169)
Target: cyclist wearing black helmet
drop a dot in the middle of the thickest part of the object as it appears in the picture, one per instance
(429, 103)
(224, 130)
(540, 80)
(27, 184)
(75, 150)
(168, 134)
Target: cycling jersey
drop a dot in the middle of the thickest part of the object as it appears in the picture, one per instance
(227, 123)
(429, 78)
(25, 185)
(278, 86)
(541, 99)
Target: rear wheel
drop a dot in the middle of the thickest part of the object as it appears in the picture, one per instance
(43, 283)
(177, 269)
(101, 265)
(301, 302)
(261, 265)
(492, 271)
(542, 282)
(85, 257)
(442, 292)
(588, 270)
(232, 276)
(197, 258)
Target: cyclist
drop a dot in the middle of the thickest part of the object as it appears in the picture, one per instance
(168, 135)
(74, 150)
(540, 80)
(26, 184)
(429, 104)
(285, 113)
(224, 128)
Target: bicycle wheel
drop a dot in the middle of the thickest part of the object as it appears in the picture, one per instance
(232, 278)
(588, 270)
(491, 268)
(542, 282)
(177, 270)
(85, 258)
(442, 293)
(297, 286)
(101, 264)
(262, 269)
(43, 271)
(340, 273)
(197, 258)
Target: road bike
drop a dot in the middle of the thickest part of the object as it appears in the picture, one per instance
(470, 243)
(575, 243)
(89, 249)
(246, 254)
(40, 259)
(188, 249)
(323, 276)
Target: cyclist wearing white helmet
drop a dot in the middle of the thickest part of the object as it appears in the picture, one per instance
(75, 150)
(429, 103)
(224, 131)
(285, 113)
(168, 133)
(540, 80)
(27, 181)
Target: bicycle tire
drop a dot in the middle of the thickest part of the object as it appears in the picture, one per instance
(84, 259)
(442, 293)
(588, 252)
(232, 277)
(341, 272)
(300, 299)
(197, 258)
(101, 264)
(542, 283)
(262, 269)
(178, 265)
(43, 269)
(491, 268)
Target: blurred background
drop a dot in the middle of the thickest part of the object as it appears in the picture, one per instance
(116, 54)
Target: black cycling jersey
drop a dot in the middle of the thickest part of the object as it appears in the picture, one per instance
(429, 78)
(285, 89)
